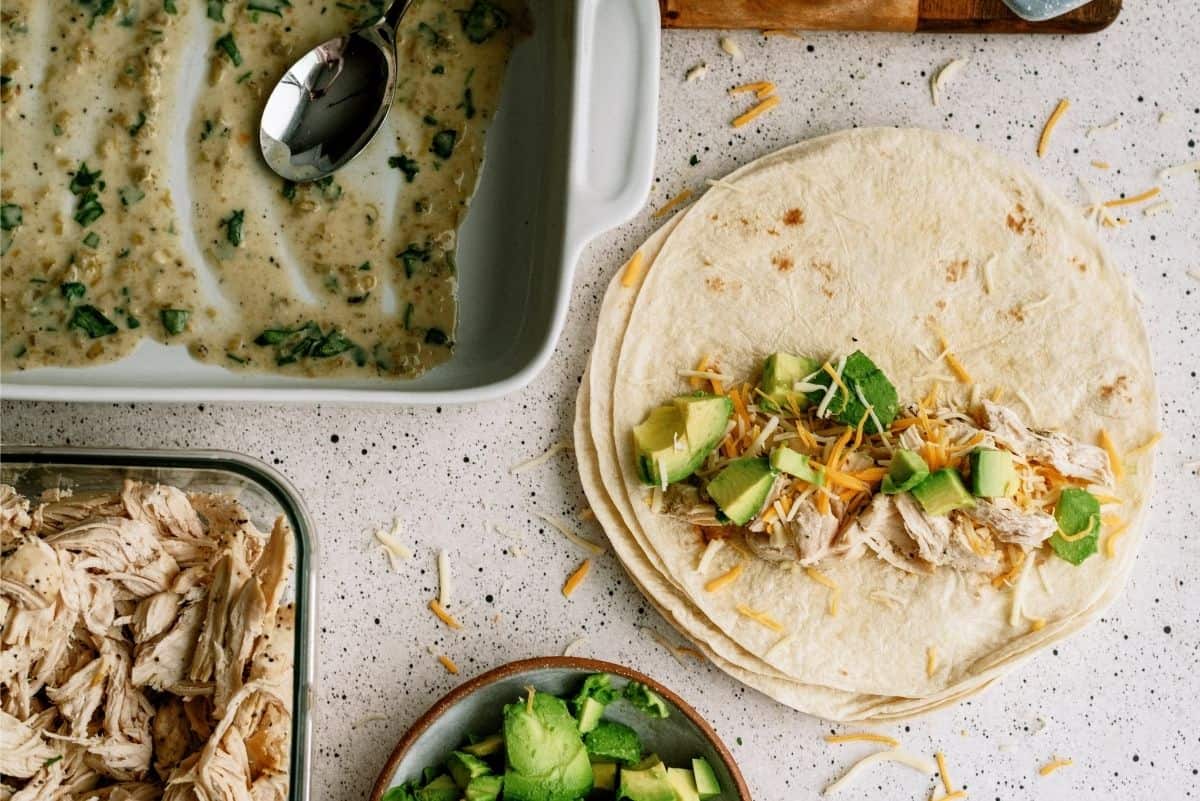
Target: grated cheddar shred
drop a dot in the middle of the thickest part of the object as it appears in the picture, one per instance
(576, 578)
(633, 270)
(1044, 139)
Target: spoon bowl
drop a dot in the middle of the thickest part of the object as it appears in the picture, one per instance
(330, 104)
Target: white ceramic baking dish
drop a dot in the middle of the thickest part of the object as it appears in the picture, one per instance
(570, 154)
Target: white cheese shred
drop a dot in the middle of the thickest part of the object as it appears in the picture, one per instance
(1108, 126)
(562, 528)
(1158, 208)
(944, 76)
(731, 48)
(696, 73)
(536, 461)
(445, 585)
(761, 439)
(1179, 169)
(1017, 611)
(573, 646)
(891, 755)
(823, 407)
(392, 546)
(710, 553)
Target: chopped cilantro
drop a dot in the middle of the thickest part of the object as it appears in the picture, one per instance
(137, 125)
(11, 216)
(233, 226)
(405, 165)
(482, 20)
(468, 104)
(443, 143)
(275, 7)
(92, 240)
(174, 320)
(307, 341)
(170, 7)
(72, 290)
(130, 195)
(98, 8)
(412, 256)
(228, 45)
(91, 321)
(216, 10)
(408, 313)
(86, 186)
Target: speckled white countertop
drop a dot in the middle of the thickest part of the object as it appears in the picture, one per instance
(1120, 698)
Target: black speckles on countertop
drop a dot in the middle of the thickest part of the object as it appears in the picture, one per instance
(1119, 698)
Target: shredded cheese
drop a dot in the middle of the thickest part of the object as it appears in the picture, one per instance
(573, 646)
(1147, 445)
(764, 106)
(710, 553)
(562, 528)
(730, 47)
(761, 618)
(761, 89)
(931, 661)
(1158, 208)
(1129, 201)
(1018, 596)
(835, 591)
(943, 76)
(1179, 169)
(444, 579)
(957, 795)
(392, 547)
(443, 615)
(1101, 165)
(1108, 126)
(697, 72)
(781, 32)
(541, 459)
(893, 755)
(1110, 544)
(672, 204)
(725, 579)
(576, 578)
(1053, 765)
(947, 785)
(823, 406)
(1113, 457)
(706, 375)
(863, 737)
(448, 664)
(633, 270)
(1044, 139)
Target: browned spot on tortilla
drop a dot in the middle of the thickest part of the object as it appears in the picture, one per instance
(793, 217)
(713, 217)
(744, 222)
(955, 270)
(941, 304)
(1017, 313)
(773, 231)
(1079, 263)
(825, 268)
(782, 262)
(715, 283)
(1017, 222)
(1117, 390)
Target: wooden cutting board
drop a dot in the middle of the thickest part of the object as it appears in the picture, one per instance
(946, 16)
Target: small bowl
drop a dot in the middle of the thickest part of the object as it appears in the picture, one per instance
(476, 707)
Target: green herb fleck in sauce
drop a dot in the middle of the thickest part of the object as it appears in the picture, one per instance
(405, 165)
(228, 45)
(91, 321)
(174, 320)
(233, 226)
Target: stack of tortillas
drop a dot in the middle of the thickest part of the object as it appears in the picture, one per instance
(855, 241)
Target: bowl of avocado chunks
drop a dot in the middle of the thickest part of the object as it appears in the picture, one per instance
(560, 729)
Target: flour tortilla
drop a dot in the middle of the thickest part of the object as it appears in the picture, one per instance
(888, 215)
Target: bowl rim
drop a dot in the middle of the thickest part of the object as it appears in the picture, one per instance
(505, 671)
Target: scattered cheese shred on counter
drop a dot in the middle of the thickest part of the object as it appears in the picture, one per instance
(931, 661)
(1108, 126)
(448, 664)
(392, 546)
(1147, 445)
(444, 580)
(1106, 443)
(1129, 201)
(1179, 169)
(730, 47)
(542, 458)
(945, 774)
(633, 270)
(562, 528)
(764, 106)
(762, 89)
(573, 646)
(1053, 765)
(697, 72)
(710, 553)
(761, 618)
(863, 737)
(957, 795)
(781, 32)
(893, 755)
(575, 579)
(672, 204)
(944, 76)
(835, 591)
(725, 579)
(1044, 139)
(1110, 544)
(1158, 208)
(1101, 165)
(443, 615)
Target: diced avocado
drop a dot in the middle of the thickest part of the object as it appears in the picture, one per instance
(992, 474)
(679, 436)
(463, 767)
(786, 460)
(546, 758)
(942, 492)
(401, 792)
(781, 372)
(1077, 511)
(486, 747)
(742, 487)
(859, 373)
(683, 782)
(646, 782)
(483, 788)
(707, 785)
(589, 715)
(597, 686)
(908, 470)
(646, 700)
(613, 741)
(605, 774)
(441, 788)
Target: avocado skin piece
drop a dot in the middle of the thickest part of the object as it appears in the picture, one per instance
(942, 492)
(683, 782)
(707, 785)
(483, 788)
(441, 788)
(780, 373)
(908, 470)
(605, 774)
(1077, 510)
(647, 782)
(486, 747)
(741, 488)
(613, 741)
(876, 388)
(992, 474)
(547, 760)
(463, 767)
(646, 700)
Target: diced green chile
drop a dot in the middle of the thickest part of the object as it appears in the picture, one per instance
(174, 320)
(72, 290)
(91, 321)
(11, 216)
(233, 225)
(443, 143)
(482, 20)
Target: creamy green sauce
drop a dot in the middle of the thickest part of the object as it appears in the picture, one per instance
(136, 202)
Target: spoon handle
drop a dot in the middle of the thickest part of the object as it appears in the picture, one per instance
(396, 12)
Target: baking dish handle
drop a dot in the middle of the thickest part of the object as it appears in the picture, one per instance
(615, 119)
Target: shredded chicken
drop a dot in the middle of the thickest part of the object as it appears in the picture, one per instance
(807, 538)
(1072, 459)
(881, 528)
(1029, 529)
(146, 652)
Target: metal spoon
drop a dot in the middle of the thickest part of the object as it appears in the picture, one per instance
(329, 104)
